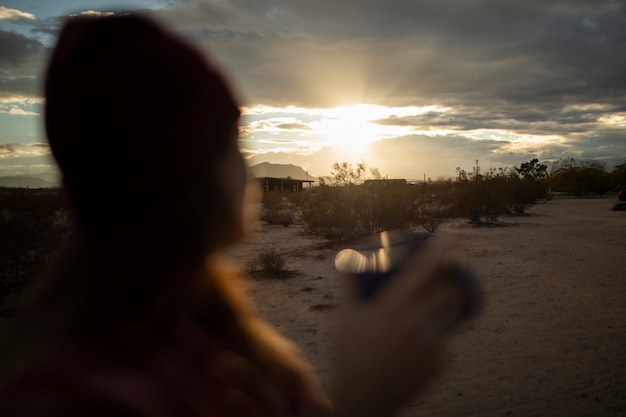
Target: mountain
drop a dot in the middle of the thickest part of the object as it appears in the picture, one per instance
(25, 181)
(266, 169)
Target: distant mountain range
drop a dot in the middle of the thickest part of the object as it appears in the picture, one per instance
(25, 181)
(266, 169)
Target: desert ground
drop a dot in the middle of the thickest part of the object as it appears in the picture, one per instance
(550, 340)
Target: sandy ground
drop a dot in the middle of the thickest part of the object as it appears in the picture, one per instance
(551, 340)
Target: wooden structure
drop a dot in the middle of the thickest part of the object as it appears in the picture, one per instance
(394, 181)
(290, 185)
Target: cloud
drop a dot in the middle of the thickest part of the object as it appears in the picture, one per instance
(8, 149)
(507, 73)
(544, 78)
(15, 150)
(293, 126)
(22, 62)
(93, 13)
(16, 111)
(15, 48)
(481, 53)
(44, 147)
(13, 14)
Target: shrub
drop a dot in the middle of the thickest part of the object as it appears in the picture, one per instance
(486, 196)
(433, 204)
(580, 177)
(271, 263)
(277, 209)
(431, 216)
(526, 192)
(617, 174)
(480, 197)
(34, 225)
(343, 214)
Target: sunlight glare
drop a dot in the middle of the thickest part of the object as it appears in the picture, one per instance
(351, 127)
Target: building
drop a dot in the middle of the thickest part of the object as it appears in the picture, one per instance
(398, 181)
(283, 184)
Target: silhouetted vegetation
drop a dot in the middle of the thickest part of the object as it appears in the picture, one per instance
(278, 209)
(270, 264)
(347, 212)
(580, 177)
(34, 225)
(344, 174)
(433, 204)
(485, 196)
(617, 174)
(343, 214)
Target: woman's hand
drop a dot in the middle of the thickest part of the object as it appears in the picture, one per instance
(393, 344)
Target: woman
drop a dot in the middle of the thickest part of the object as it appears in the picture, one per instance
(139, 317)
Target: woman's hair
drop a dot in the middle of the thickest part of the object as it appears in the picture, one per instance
(132, 112)
(138, 122)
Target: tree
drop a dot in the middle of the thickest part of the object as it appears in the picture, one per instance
(618, 173)
(484, 196)
(481, 196)
(579, 177)
(344, 174)
(532, 170)
(375, 173)
(530, 185)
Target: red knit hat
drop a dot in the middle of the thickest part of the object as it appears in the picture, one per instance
(131, 110)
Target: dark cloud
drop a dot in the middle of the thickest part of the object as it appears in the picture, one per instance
(478, 53)
(292, 126)
(15, 49)
(21, 66)
(521, 119)
(12, 87)
(41, 145)
(47, 28)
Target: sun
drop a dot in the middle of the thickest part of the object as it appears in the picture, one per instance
(351, 127)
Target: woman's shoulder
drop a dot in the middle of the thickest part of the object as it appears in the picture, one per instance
(63, 388)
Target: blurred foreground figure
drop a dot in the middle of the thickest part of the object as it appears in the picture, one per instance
(139, 317)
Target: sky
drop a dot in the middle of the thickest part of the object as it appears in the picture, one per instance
(414, 88)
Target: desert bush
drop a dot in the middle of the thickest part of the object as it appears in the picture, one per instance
(580, 177)
(431, 215)
(34, 225)
(432, 205)
(530, 186)
(617, 174)
(485, 196)
(277, 209)
(343, 214)
(271, 263)
(480, 197)
(329, 212)
(526, 192)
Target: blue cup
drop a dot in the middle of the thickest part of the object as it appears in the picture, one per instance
(372, 264)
